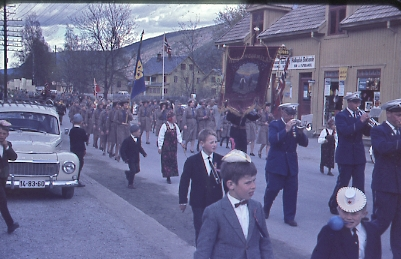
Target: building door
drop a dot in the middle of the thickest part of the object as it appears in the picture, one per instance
(304, 94)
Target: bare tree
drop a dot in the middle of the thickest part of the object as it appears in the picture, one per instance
(190, 41)
(230, 16)
(35, 56)
(107, 28)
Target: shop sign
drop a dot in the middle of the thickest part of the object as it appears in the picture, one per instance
(302, 62)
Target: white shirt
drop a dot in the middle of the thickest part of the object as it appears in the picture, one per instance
(352, 112)
(163, 130)
(206, 161)
(361, 232)
(242, 213)
(134, 138)
(323, 134)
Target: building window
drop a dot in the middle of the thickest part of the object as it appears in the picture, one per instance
(153, 79)
(336, 15)
(165, 79)
(165, 90)
(332, 101)
(186, 80)
(369, 87)
(213, 79)
(147, 78)
(175, 79)
(257, 25)
(191, 67)
(197, 80)
(183, 66)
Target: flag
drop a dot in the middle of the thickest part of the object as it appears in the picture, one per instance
(139, 81)
(167, 47)
(96, 87)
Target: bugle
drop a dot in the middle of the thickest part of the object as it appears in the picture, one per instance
(300, 125)
(371, 122)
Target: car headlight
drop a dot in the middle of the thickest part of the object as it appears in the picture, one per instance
(68, 167)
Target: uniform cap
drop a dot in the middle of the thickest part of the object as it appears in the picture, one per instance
(289, 108)
(352, 97)
(392, 106)
(351, 199)
(235, 156)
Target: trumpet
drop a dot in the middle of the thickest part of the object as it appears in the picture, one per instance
(300, 125)
(371, 122)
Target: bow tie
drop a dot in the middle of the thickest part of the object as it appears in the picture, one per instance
(244, 202)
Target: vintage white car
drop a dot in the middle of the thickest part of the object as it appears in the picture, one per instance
(36, 137)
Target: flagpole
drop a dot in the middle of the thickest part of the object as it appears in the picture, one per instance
(164, 39)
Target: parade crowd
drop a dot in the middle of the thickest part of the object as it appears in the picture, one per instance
(227, 222)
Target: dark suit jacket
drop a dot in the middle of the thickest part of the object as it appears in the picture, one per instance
(387, 151)
(129, 150)
(7, 155)
(195, 172)
(221, 234)
(350, 149)
(333, 244)
(78, 138)
(282, 158)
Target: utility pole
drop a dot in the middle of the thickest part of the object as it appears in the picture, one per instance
(12, 42)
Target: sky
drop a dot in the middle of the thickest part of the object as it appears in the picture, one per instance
(155, 19)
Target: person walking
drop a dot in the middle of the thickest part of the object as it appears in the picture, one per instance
(350, 153)
(386, 178)
(328, 139)
(7, 153)
(282, 162)
(190, 125)
(169, 136)
(263, 134)
(198, 173)
(129, 152)
(145, 119)
(78, 138)
(122, 118)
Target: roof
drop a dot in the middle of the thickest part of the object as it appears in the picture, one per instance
(238, 32)
(305, 18)
(155, 66)
(370, 14)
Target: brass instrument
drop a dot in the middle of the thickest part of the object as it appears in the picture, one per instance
(300, 125)
(371, 122)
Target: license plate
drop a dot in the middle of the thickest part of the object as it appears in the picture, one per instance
(32, 184)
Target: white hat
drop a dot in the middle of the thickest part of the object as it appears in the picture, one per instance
(290, 108)
(236, 155)
(351, 199)
(352, 96)
(392, 106)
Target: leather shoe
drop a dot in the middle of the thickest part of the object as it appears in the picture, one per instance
(334, 211)
(330, 173)
(13, 227)
(292, 223)
(131, 186)
(251, 154)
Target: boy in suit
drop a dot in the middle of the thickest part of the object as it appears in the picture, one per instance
(78, 138)
(7, 153)
(129, 151)
(356, 239)
(235, 227)
(200, 170)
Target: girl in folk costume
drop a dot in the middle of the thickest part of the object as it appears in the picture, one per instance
(329, 139)
(169, 136)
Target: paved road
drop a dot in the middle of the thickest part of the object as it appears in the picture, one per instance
(105, 219)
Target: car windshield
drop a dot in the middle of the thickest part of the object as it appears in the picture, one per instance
(30, 121)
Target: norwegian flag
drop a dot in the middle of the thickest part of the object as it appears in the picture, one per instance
(280, 87)
(96, 87)
(167, 47)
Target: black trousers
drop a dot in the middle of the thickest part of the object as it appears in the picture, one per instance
(80, 156)
(357, 172)
(133, 169)
(3, 203)
(388, 211)
(197, 212)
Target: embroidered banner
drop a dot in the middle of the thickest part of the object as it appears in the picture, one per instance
(247, 77)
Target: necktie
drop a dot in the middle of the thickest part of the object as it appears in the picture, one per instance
(354, 115)
(244, 202)
(193, 112)
(146, 112)
(213, 171)
(355, 242)
(397, 131)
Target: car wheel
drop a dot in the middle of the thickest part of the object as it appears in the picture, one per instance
(67, 192)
